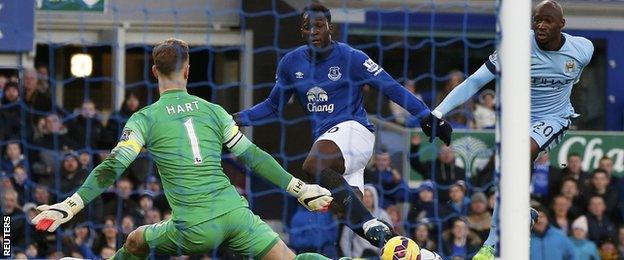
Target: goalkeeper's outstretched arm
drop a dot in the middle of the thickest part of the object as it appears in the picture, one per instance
(313, 197)
(464, 91)
(102, 177)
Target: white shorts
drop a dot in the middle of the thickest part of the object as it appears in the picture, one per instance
(356, 144)
(548, 132)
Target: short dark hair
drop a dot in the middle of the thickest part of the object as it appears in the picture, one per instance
(169, 55)
(573, 154)
(596, 196)
(541, 208)
(605, 158)
(316, 7)
(596, 171)
(569, 178)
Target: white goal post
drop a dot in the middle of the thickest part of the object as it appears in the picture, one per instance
(514, 59)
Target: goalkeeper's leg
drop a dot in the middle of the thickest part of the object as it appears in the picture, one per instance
(280, 251)
(135, 247)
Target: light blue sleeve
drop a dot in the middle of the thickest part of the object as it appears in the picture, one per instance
(466, 89)
(569, 253)
(588, 50)
(594, 252)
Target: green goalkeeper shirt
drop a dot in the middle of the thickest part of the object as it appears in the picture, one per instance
(185, 135)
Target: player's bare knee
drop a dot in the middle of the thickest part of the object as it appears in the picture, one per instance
(311, 169)
(135, 244)
(534, 150)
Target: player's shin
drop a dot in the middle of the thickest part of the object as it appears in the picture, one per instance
(123, 254)
(350, 208)
(346, 204)
(492, 238)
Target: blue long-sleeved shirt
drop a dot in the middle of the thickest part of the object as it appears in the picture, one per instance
(330, 89)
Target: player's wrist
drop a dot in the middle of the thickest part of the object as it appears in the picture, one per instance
(74, 203)
(295, 187)
(241, 118)
(437, 113)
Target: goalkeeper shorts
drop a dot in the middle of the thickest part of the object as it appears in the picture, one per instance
(356, 144)
(240, 230)
(548, 132)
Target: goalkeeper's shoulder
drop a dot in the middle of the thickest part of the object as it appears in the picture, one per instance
(142, 113)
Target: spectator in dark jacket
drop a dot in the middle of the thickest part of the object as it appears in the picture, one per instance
(34, 98)
(574, 169)
(10, 207)
(118, 119)
(484, 179)
(80, 240)
(422, 206)
(53, 140)
(72, 175)
(422, 237)
(108, 236)
(570, 190)
(122, 200)
(446, 172)
(86, 128)
(13, 157)
(599, 186)
(11, 113)
(313, 232)
(459, 242)
(458, 203)
(22, 185)
(43, 196)
(600, 227)
(387, 180)
(606, 163)
(549, 243)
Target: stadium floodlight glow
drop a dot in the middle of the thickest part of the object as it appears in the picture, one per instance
(81, 65)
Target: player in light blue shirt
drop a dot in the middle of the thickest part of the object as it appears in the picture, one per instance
(557, 60)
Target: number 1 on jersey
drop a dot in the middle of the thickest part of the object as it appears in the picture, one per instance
(190, 131)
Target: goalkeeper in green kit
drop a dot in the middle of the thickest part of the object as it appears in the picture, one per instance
(185, 134)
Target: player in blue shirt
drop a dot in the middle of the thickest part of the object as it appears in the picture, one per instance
(557, 60)
(327, 77)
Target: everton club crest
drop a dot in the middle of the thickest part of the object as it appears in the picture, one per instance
(334, 73)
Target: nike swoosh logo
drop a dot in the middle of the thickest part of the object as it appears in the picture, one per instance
(65, 214)
(305, 201)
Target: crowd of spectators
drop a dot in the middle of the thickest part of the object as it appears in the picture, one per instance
(47, 152)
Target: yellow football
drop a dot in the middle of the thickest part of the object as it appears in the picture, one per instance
(399, 248)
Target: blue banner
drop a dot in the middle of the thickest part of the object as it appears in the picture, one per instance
(17, 25)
